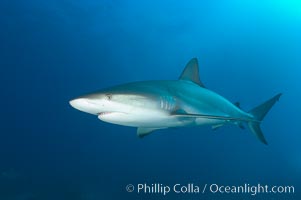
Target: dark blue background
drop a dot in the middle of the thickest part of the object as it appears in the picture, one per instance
(53, 51)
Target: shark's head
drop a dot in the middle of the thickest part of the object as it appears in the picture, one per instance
(114, 105)
(106, 105)
(108, 102)
(95, 103)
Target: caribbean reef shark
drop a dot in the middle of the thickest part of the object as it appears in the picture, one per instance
(154, 105)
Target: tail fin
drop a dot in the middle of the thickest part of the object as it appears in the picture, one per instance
(259, 113)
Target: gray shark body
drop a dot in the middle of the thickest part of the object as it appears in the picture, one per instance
(153, 105)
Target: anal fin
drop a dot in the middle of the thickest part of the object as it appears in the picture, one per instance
(217, 126)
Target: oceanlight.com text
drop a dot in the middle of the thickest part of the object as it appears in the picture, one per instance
(194, 188)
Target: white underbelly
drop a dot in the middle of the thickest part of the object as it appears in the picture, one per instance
(154, 119)
(150, 119)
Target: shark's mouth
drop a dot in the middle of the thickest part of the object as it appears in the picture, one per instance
(104, 113)
(112, 116)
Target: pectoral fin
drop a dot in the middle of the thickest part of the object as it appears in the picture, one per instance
(141, 131)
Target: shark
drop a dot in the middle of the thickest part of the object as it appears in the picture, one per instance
(161, 104)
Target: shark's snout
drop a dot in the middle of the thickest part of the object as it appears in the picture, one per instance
(83, 104)
(77, 103)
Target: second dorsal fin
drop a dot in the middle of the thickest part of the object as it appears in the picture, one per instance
(237, 104)
(191, 72)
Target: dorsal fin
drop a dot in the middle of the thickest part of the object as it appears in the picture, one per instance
(191, 72)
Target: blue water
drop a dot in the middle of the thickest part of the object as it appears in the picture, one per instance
(53, 51)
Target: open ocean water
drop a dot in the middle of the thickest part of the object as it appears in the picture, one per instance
(53, 51)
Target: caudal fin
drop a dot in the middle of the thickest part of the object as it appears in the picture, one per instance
(259, 113)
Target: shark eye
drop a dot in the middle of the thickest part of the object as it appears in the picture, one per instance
(108, 97)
